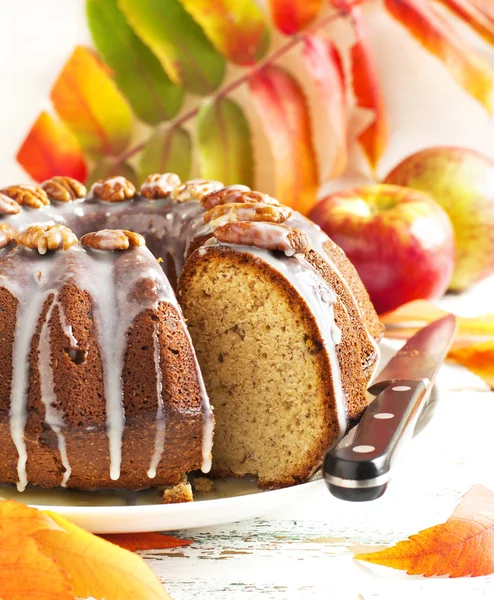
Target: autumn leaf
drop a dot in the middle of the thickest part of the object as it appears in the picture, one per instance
(137, 72)
(98, 568)
(178, 42)
(479, 358)
(17, 518)
(88, 101)
(168, 150)
(290, 16)
(145, 541)
(50, 149)
(323, 63)
(237, 28)
(282, 108)
(461, 547)
(435, 33)
(225, 148)
(479, 14)
(110, 167)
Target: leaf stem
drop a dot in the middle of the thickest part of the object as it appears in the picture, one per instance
(295, 39)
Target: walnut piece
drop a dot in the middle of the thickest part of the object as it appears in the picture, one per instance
(114, 189)
(195, 189)
(8, 206)
(238, 194)
(7, 234)
(27, 195)
(225, 213)
(269, 236)
(159, 185)
(112, 239)
(64, 189)
(47, 237)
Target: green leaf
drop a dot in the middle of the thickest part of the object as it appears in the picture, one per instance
(169, 150)
(137, 72)
(237, 28)
(110, 167)
(225, 149)
(178, 41)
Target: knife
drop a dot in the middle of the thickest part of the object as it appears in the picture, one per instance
(361, 470)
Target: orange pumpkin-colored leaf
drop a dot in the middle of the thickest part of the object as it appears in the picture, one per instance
(98, 568)
(50, 149)
(435, 33)
(282, 108)
(290, 16)
(479, 358)
(90, 104)
(19, 519)
(26, 572)
(145, 541)
(461, 547)
(323, 63)
(479, 14)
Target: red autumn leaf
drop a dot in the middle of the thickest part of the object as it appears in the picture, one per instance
(461, 547)
(283, 110)
(50, 149)
(479, 14)
(290, 16)
(435, 33)
(145, 541)
(323, 63)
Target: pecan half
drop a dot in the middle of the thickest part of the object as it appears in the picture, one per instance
(7, 234)
(224, 213)
(112, 239)
(159, 185)
(8, 206)
(27, 195)
(238, 194)
(268, 236)
(114, 189)
(64, 189)
(47, 237)
(195, 189)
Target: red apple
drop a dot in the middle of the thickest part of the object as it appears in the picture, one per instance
(462, 182)
(400, 241)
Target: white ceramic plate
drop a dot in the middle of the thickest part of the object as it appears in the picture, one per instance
(114, 511)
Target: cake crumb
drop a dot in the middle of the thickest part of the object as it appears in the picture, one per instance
(181, 492)
(203, 484)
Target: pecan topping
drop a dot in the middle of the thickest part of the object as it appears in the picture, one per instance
(28, 195)
(195, 189)
(263, 235)
(64, 189)
(114, 189)
(112, 239)
(8, 206)
(7, 234)
(224, 213)
(159, 185)
(238, 194)
(47, 237)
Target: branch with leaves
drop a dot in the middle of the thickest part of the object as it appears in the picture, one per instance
(155, 57)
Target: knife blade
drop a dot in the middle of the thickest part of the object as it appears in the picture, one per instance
(361, 470)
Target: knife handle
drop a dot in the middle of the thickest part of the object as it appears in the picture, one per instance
(361, 471)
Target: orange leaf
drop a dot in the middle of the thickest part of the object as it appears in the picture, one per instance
(98, 568)
(479, 358)
(291, 16)
(367, 92)
(283, 110)
(324, 65)
(463, 546)
(145, 541)
(25, 572)
(89, 103)
(17, 518)
(50, 149)
(479, 14)
(435, 33)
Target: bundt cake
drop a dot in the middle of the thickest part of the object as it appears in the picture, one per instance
(99, 382)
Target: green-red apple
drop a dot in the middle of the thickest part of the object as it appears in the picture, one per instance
(462, 182)
(400, 241)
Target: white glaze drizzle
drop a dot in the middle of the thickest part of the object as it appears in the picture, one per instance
(159, 441)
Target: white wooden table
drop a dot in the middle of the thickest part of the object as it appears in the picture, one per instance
(305, 550)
